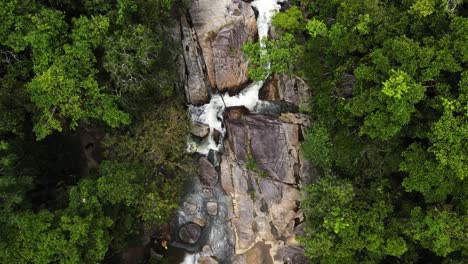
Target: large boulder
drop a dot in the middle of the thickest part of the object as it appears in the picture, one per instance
(190, 233)
(200, 130)
(230, 67)
(292, 255)
(208, 174)
(272, 144)
(288, 88)
(192, 75)
(265, 197)
(223, 28)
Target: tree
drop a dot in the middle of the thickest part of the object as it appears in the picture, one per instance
(345, 225)
(68, 90)
(390, 110)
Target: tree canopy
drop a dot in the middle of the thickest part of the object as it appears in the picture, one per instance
(390, 128)
(67, 67)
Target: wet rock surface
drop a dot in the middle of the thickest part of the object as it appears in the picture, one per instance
(291, 255)
(199, 130)
(190, 233)
(208, 174)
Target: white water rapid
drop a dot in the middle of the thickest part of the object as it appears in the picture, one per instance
(211, 114)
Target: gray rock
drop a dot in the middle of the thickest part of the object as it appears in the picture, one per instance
(191, 71)
(206, 250)
(190, 208)
(208, 174)
(293, 89)
(265, 207)
(207, 192)
(190, 233)
(207, 260)
(230, 66)
(223, 27)
(291, 255)
(288, 88)
(212, 208)
(273, 144)
(199, 130)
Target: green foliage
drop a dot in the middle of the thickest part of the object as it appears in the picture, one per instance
(58, 73)
(291, 21)
(272, 56)
(157, 138)
(344, 223)
(439, 229)
(317, 146)
(161, 199)
(157, 141)
(138, 67)
(120, 182)
(390, 114)
(68, 90)
(251, 163)
(316, 28)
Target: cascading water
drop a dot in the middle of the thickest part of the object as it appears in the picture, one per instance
(211, 114)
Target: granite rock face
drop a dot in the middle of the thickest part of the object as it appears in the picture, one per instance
(290, 89)
(192, 70)
(223, 27)
(243, 206)
(265, 196)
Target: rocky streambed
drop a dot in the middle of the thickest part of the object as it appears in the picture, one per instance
(244, 206)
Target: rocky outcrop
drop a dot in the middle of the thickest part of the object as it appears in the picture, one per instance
(243, 206)
(290, 89)
(262, 171)
(192, 77)
(223, 27)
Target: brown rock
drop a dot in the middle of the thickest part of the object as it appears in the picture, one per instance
(235, 112)
(223, 27)
(269, 91)
(216, 136)
(199, 221)
(208, 174)
(199, 130)
(259, 254)
(230, 67)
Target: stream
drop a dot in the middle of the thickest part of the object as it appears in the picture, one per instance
(211, 114)
(217, 238)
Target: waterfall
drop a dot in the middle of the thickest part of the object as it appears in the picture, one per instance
(211, 113)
